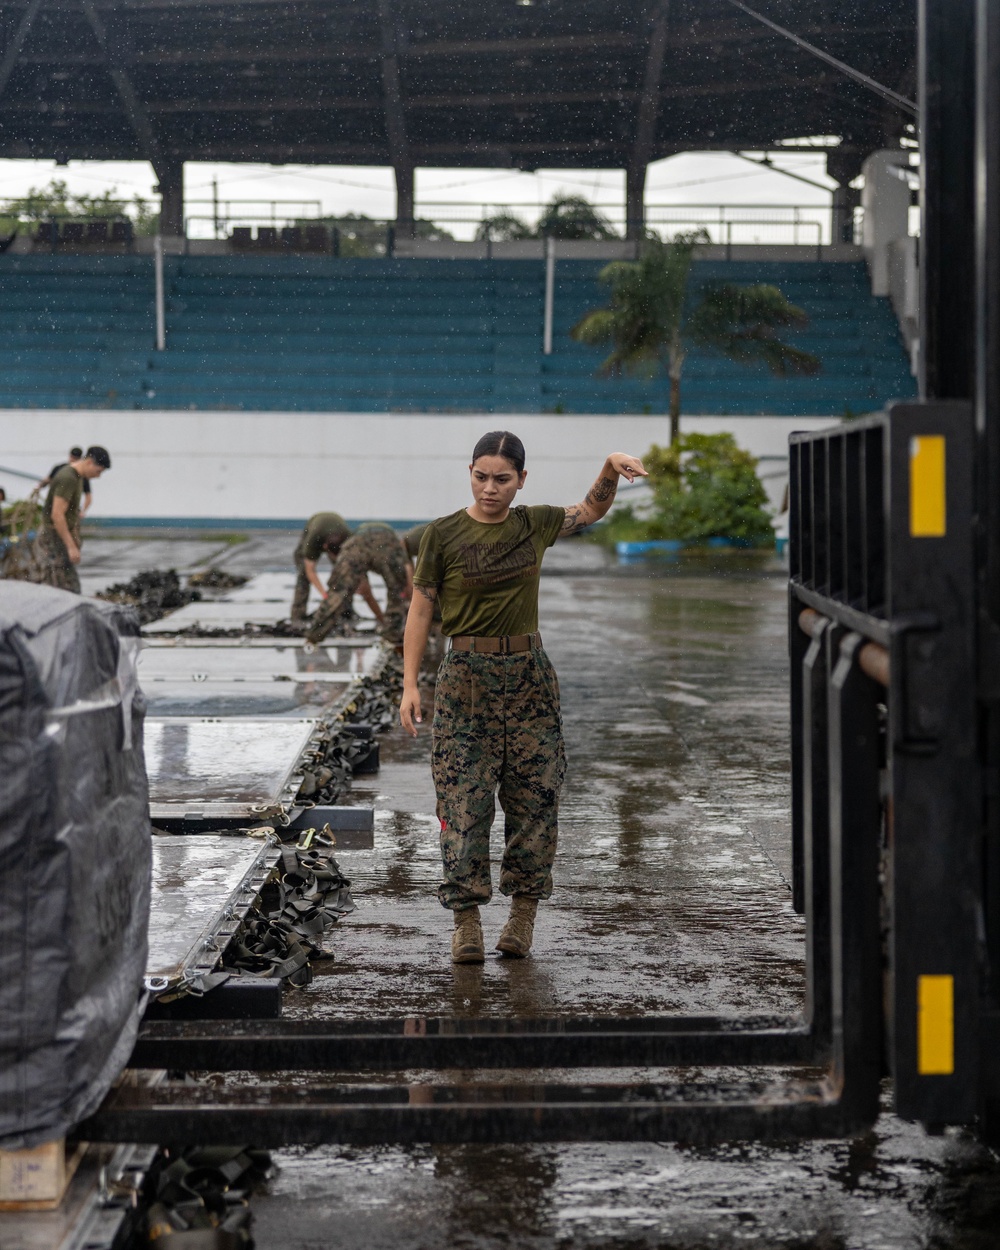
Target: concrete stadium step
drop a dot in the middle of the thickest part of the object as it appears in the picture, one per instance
(385, 308)
(331, 378)
(295, 401)
(74, 286)
(30, 399)
(71, 361)
(180, 337)
(836, 326)
(374, 382)
(94, 382)
(828, 347)
(279, 321)
(76, 340)
(106, 320)
(64, 265)
(326, 288)
(123, 307)
(726, 373)
(325, 361)
(382, 269)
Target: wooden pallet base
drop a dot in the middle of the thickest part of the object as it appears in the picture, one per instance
(37, 1179)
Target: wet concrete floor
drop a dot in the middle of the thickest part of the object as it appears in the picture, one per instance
(671, 895)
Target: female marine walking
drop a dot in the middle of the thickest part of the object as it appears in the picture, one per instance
(497, 726)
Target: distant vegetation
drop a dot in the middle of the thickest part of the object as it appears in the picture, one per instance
(703, 486)
(56, 200)
(565, 217)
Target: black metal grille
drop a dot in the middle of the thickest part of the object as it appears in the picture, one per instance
(837, 535)
(861, 568)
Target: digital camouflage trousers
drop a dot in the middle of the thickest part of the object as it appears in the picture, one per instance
(54, 565)
(370, 551)
(300, 598)
(497, 733)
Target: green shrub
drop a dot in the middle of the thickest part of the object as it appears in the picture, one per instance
(704, 486)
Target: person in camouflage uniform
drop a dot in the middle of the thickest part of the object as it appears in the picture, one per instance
(324, 533)
(375, 548)
(497, 728)
(57, 546)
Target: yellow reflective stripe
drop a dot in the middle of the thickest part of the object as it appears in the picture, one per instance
(935, 1026)
(927, 494)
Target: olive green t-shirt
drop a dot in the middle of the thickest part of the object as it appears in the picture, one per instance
(321, 529)
(67, 484)
(487, 575)
(365, 526)
(412, 538)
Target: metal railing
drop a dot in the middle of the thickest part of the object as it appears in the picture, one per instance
(227, 214)
(724, 223)
(732, 224)
(728, 225)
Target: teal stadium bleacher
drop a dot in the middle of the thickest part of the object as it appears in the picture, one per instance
(401, 335)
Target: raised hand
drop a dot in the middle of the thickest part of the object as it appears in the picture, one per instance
(628, 467)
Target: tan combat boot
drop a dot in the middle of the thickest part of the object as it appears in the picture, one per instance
(467, 940)
(516, 935)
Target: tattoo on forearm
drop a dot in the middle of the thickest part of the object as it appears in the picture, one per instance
(573, 522)
(602, 490)
(429, 592)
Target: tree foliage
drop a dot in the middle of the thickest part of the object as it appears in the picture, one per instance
(564, 217)
(704, 486)
(740, 322)
(57, 201)
(502, 228)
(653, 319)
(573, 217)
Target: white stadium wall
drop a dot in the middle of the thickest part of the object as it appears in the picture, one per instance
(269, 467)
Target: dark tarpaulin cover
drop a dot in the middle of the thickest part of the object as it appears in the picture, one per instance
(74, 856)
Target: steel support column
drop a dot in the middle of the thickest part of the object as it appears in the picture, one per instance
(843, 168)
(395, 122)
(988, 445)
(13, 49)
(170, 175)
(404, 175)
(635, 201)
(645, 126)
(947, 269)
(935, 851)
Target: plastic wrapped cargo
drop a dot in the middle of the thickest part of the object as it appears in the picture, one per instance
(74, 856)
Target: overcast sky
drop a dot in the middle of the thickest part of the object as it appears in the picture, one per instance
(714, 178)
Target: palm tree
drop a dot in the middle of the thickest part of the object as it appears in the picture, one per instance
(651, 323)
(573, 217)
